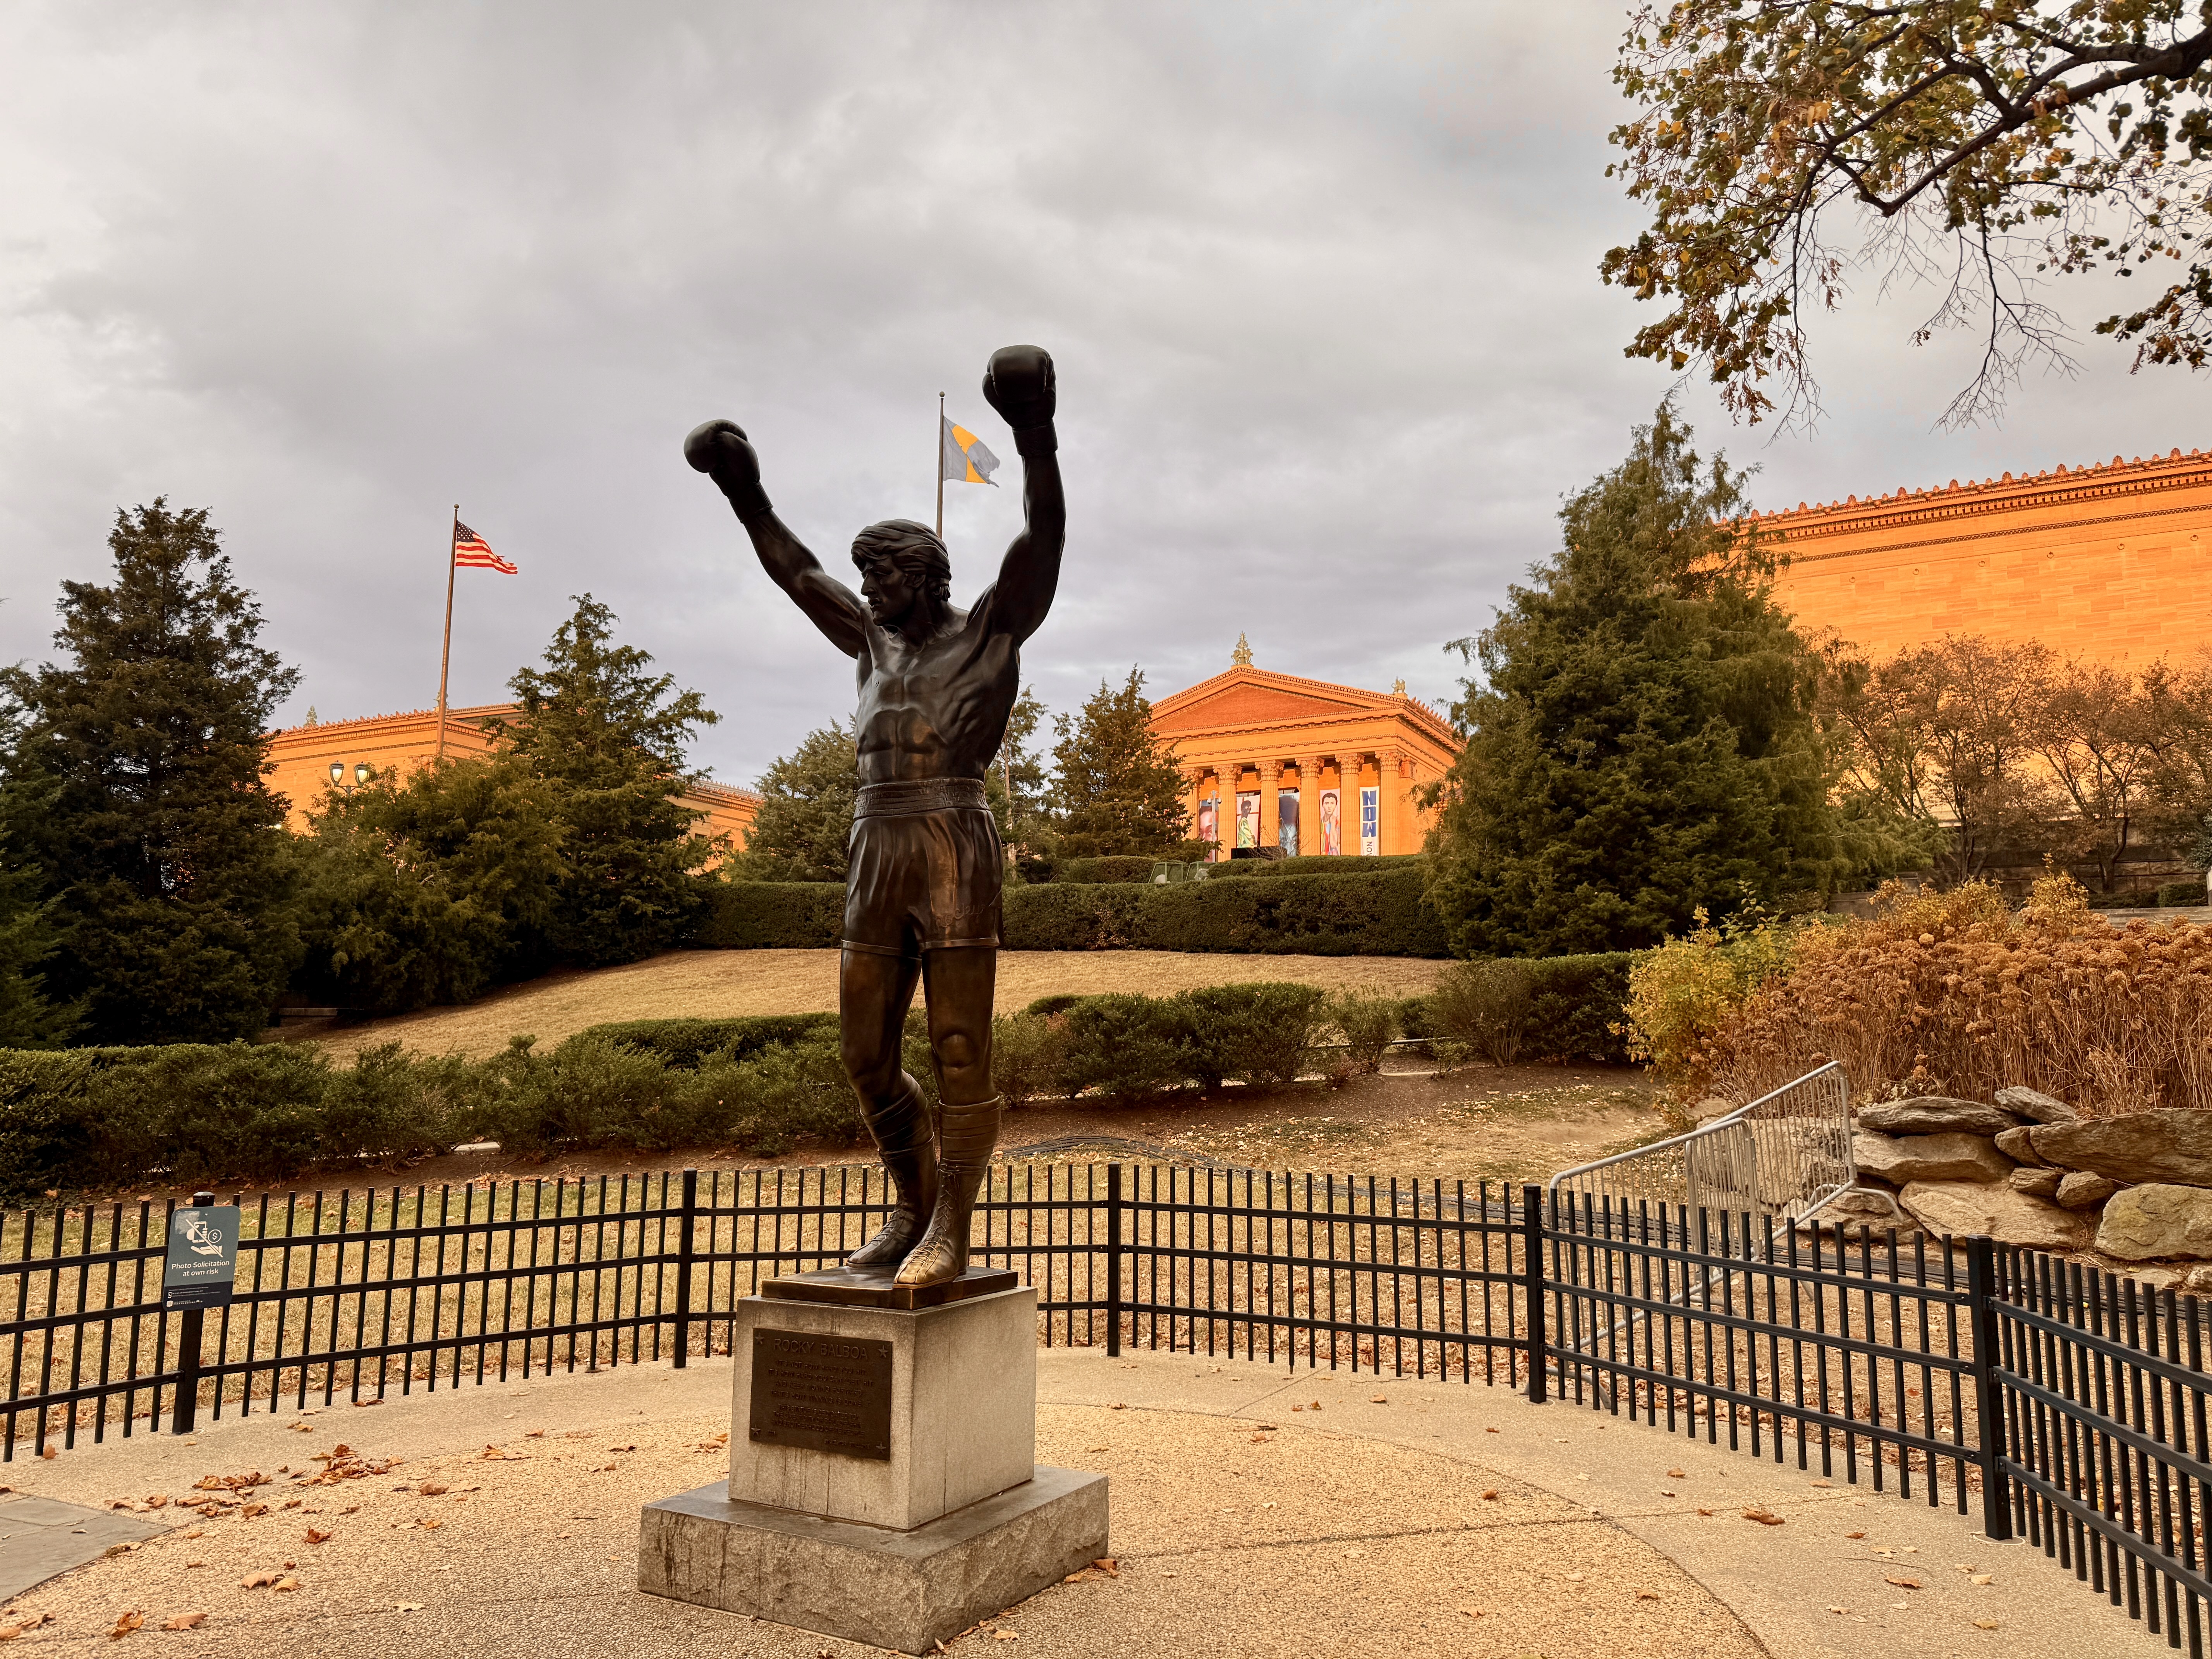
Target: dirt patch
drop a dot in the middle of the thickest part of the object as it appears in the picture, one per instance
(723, 984)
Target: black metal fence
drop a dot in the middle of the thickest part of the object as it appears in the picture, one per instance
(2073, 1402)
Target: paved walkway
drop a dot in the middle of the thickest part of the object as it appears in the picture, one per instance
(1440, 1519)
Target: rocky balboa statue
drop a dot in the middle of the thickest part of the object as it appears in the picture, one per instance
(921, 897)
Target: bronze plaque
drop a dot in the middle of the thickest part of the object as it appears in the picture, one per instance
(829, 1393)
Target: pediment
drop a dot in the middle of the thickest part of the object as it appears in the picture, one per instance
(1239, 700)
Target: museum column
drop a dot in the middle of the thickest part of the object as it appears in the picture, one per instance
(1390, 801)
(1270, 772)
(1195, 777)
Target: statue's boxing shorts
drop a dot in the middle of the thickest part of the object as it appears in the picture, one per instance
(926, 868)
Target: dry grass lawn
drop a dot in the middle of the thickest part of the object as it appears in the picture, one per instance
(721, 984)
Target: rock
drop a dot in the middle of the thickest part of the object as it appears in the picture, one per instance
(2197, 1281)
(2040, 1183)
(2019, 1144)
(2079, 1190)
(1936, 1115)
(1711, 1107)
(1963, 1208)
(2034, 1104)
(1863, 1212)
(2157, 1279)
(1899, 1158)
(2156, 1219)
(2170, 1145)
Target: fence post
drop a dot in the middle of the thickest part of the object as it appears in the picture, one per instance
(689, 1214)
(1532, 1285)
(1989, 1395)
(1113, 1262)
(185, 1411)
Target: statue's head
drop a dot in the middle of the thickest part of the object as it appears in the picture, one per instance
(902, 564)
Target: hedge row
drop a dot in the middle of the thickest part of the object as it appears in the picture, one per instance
(1312, 865)
(1377, 912)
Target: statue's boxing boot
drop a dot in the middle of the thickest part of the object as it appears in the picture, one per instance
(965, 1136)
(907, 1141)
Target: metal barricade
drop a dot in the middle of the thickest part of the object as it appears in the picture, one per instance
(1786, 1154)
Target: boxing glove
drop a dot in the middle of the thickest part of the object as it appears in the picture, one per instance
(1019, 384)
(721, 451)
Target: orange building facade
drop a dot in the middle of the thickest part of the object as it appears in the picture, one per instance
(312, 760)
(2102, 562)
(1271, 760)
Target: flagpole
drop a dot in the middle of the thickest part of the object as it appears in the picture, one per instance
(446, 651)
(940, 467)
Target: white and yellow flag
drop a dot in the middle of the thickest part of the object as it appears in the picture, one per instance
(965, 459)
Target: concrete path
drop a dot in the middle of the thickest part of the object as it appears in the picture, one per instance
(1440, 1519)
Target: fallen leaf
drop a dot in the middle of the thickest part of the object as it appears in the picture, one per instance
(429, 1526)
(125, 1624)
(291, 1502)
(257, 1580)
(253, 1509)
(1647, 1595)
(1474, 1612)
(1676, 1474)
(1704, 1512)
(316, 1535)
(1854, 1534)
(286, 1584)
(432, 1489)
(49, 1454)
(1902, 1583)
(1117, 1406)
(185, 1621)
(158, 1500)
(1106, 1564)
(1983, 1578)
(1314, 1407)
(407, 1607)
(1765, 1517)
(1491, 1496)
(1985, 1623)
(629, 1448)
(540, 1434)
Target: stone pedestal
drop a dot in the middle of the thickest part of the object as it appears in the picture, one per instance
(884, 1485)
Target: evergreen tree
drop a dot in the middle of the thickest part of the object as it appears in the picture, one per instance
(806, 813)
(1024, 812)
(607, 739)
(136, 793)
(1641, 740)
(431, 888)
(1116, 788)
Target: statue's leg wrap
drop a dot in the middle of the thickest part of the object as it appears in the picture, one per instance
(907, 1141)
(965, 1136)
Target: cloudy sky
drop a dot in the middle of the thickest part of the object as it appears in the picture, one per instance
(1319, 280)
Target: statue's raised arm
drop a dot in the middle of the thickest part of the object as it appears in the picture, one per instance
(721, 451)
(1019, 384)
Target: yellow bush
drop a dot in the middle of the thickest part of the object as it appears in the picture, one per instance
(1682, 992)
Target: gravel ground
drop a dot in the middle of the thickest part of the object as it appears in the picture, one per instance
(1441, 1519)
(721, 984)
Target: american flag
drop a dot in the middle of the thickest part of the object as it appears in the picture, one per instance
(472, 552)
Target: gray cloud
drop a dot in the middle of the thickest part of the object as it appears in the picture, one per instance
(1319, 280)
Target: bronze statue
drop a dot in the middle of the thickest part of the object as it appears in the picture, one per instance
(923, 897)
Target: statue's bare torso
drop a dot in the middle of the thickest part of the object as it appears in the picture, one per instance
(935, 709)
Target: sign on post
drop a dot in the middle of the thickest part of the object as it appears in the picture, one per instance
(203, 1260)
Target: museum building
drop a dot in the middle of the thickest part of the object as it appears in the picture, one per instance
(342, 755)
(2103, 564)
(1272, 760)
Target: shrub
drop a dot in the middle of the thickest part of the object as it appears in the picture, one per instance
(1367, 1023)
(1078, 916)
(1106, 867)
(1577, 1007)
(687, 1043)
(590, 1091)
(1377, 915)
(761, 915)
(2181, 892)
(1125, 1046)
(783, 1092)
(1952, 993)
(1258, 1033)
(1312, 865)
(1680, 993)
(1028, 1053)
(1484, 1007)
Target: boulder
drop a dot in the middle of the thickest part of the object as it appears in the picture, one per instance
(1936, 1115)
(1863, 1212)
(2034, 1105)
(2079, 1190)
(2040, 1183)
(2197, 1281)
(2170, 1145)
(1899, 1158)
(2018, 1145)
(1965, 1208)
(2155, 1219)
(1711, 1107)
